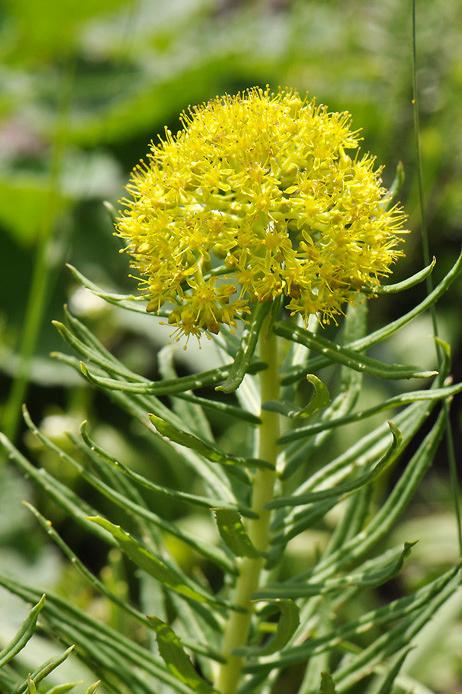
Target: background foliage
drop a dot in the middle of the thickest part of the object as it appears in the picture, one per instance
(85, 86)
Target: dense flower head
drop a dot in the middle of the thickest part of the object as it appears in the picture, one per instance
(259, 195)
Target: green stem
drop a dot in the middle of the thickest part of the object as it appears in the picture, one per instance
(40, 284)
(425, 240)
(237, 628)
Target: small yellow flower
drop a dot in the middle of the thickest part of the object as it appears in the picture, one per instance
(263, 185)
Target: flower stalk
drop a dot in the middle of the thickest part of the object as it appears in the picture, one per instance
(250, 570)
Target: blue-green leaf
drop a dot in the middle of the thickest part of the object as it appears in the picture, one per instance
(394, 611)
(99, 645)
(367, 341)
(220, 407)
(166, 387)
(121, 500)
(102, 586)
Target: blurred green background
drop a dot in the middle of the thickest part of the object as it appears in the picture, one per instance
(85, 86)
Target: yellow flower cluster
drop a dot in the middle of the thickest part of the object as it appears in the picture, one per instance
(257, 197)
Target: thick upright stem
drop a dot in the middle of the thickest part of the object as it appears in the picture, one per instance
(237, 628)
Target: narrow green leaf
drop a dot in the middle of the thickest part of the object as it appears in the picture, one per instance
(319, 400)
(101, 586)
(176, 659)
(388, 682)
(8, 680)
(355, 515)
(393, 611)
(248, 343)
(137, 405)
(385, 517)
(129, 302)
(90, 352)
(170, 493)
(366, 451)
(93, 688)
(340, 490)
(348, 357)
(154, 566)
(125, 503)
(411, 281)
(289, 528)
(374, 573)
(113, 478)
(63, 688)
(220, 407)
(186, 411)
(296, 454)
(77, 508)
(385, 332)
(389, 404)
(288, 623)
(327, 684)
(233, 533)
(99, 645)
(43, 671)
(23, 635)
(206, 449)
(166, 387)
(392, 641)
(358, 456)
